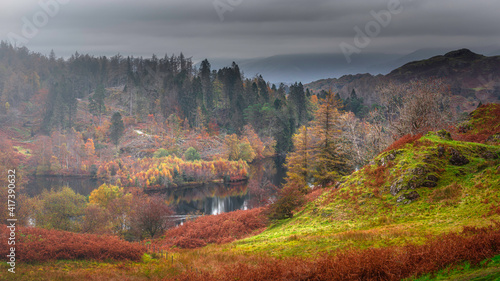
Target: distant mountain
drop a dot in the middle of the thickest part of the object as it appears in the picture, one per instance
(472, 78)
(306, 67)
(420, 54)
(311, 67)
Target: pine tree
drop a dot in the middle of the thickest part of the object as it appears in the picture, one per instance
(117, 128)
(206, 82)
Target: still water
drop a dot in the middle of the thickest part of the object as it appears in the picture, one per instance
(265, 177)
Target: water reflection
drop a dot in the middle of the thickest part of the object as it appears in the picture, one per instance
(207, 199)
(81, 185)
(265, 176)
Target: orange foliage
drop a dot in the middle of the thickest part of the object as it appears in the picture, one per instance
(171, 171)
(485, 122)
(218, 229)
(37, 244)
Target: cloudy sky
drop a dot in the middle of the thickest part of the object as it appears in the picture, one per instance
(244, 28)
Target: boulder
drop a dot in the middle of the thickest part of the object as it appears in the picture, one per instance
(457, 159)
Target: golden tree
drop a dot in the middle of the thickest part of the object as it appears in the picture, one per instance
(105, 194)
(299, 163)
(330, 159)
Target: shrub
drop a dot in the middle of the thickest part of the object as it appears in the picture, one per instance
(218, 229)
(59, 209)
(40, 245)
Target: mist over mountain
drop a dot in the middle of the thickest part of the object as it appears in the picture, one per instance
(307, 68)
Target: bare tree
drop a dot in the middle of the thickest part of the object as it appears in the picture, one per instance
(416, 107)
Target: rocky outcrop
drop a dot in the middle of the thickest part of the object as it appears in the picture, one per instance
(457, 159)
(420, 176)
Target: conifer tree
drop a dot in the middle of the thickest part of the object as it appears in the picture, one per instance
(299, 163)
(331, 162)
(117, 128)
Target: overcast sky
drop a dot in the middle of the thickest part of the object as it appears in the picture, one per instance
(249, 28)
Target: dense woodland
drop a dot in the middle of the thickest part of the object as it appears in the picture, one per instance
(159, 88)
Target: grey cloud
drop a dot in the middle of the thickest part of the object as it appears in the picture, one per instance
(254, 28)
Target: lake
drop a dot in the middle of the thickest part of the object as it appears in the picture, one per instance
(265, 177)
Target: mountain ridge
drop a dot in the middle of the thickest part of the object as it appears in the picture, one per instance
(473, 78)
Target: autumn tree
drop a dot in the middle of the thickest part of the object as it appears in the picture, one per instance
(319, 155)
(331, 162)
(116, 129)
(90, 147)
(152, 216)
(237, 149)
(255, 142)
(59, 209)
(300, 163)
(231, 146)
(246, 151)
(103, 195)
(121, 212)
(96, 219)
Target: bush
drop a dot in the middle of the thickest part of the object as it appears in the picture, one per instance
(218, 229)
(191, 154)
(40, 245)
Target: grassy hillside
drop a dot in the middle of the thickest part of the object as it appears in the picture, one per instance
(430, 186)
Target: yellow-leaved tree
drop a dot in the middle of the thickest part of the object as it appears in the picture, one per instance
(103, 195)
(331, 160)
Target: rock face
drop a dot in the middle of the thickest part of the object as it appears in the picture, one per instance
(457, 159)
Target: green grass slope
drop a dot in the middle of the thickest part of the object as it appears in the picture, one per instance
(429, 186)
